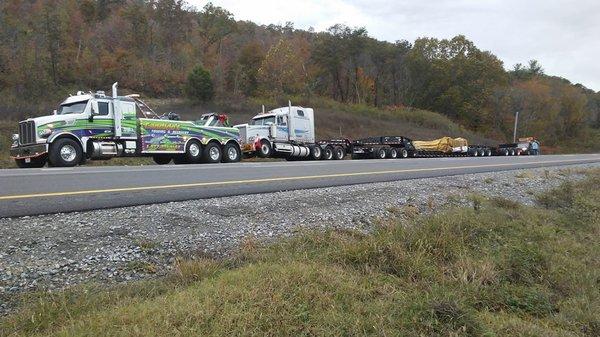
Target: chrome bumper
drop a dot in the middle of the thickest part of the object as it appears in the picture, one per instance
(28, 151)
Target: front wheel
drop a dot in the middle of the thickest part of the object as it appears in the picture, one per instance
(65, 152)
(35, 162)
(404, 153)
(232, 153)
(265, 149)
(212, 153)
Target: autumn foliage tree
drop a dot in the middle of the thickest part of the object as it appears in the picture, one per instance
(49, 48)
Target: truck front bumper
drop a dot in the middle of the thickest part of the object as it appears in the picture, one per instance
(28, 151)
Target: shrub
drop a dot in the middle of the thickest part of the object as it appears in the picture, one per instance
(199, 86)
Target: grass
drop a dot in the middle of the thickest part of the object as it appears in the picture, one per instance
(495, 269)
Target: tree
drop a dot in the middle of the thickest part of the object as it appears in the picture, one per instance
(250, 60)
(282, 70)
(199, 86)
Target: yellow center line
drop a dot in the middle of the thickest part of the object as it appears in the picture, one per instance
(262, 180)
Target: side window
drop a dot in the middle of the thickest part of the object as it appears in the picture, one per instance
(128, 109)
(300, 113)
(103, 108)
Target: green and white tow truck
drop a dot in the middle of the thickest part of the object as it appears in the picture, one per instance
(92, 126)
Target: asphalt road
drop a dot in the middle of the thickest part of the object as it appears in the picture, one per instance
(54, 190)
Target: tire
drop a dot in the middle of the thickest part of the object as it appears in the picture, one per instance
(35, 162)
(212, 153)
(488, 152)
(339, 153)
(380, 153)
(403, 154)
(265, 149)
(506, 152)
(475, 153)
(481, 152)
(393, 153)
(193, 152)
(65, 152)
(327, 153)
(511, 152)
(162, 159)
(231, 153)
(315, 152)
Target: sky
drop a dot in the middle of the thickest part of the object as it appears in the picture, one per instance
(564, 36)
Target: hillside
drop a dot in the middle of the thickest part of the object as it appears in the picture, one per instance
(168, 49)
(492, 268)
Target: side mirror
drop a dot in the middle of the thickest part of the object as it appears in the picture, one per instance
(54, 112)
(92, 113)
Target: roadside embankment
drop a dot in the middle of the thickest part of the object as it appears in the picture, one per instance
(127, 244)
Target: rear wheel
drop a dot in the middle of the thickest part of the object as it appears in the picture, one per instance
(475, 153)
(35, 162)
(265, 149)
(481, 152)
(488, 152)
(512, 152)
(193, 152)
(393, 153)
(212, 153)
(232, 153)
(339, 153)
(327, 153)
(65, 152)
(315, 152)
(380, 153)
(162, 159)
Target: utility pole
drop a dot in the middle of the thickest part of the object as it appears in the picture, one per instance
(516, 124)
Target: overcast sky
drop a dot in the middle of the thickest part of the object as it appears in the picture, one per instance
(564, 36)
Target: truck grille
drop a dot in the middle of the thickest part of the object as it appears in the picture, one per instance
(27, 133)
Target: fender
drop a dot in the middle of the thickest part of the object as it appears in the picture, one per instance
(192, 138)
(70, 135)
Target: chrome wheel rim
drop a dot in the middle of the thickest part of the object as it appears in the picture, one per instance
(214, 153)
(264, 148)
(232, 153)
(68, 153)
(194, 150)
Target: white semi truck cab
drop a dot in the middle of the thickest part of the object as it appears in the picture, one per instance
(282, 132)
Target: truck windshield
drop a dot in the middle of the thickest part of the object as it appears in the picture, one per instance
(72, 108)
(263, 121)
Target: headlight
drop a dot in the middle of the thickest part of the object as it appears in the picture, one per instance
(45, 133)
(15, 137)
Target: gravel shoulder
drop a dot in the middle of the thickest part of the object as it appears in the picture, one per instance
(126, 244)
